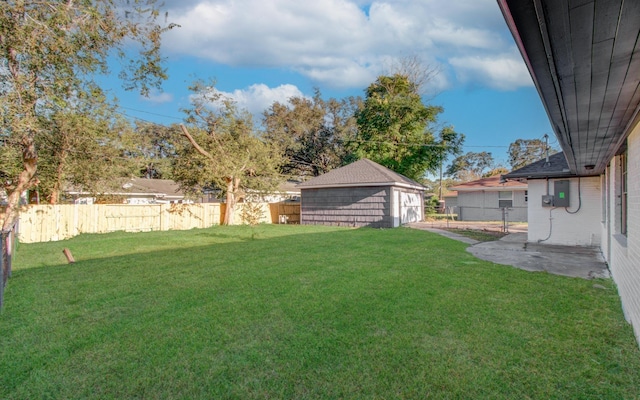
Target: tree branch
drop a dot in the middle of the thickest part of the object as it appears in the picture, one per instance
(195, 144)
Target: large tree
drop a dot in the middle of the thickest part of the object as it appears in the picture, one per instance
(221, 149)
(311, 133)
(526, 151)
(470, 166)
(397, 130)
(150, 147)
(50, 53)
(82, 147)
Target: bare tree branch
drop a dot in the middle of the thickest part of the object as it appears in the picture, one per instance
(195, 144)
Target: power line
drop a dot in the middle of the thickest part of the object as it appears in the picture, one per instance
(151, 113)
(356, 141)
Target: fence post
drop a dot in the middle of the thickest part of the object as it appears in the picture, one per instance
(505, 220)
(7, 240)
(1, 271)
(3, 265)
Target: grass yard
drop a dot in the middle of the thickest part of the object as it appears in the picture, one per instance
(303, 312)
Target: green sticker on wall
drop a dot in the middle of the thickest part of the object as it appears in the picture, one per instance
(561, 195)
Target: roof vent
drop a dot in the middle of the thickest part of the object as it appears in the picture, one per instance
(127, 185)
(589, 167)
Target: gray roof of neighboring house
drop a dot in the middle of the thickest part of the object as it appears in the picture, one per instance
(557, 167)
(159, 186)
(360, 173)
(289, 186)
(140, 186)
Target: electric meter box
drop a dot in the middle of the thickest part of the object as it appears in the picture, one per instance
(561, 196)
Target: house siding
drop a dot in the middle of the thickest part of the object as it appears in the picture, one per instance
(557, 225)
(483, 206)
(623, 252)
(349, 206)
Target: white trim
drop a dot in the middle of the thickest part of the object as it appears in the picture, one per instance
(490, 188)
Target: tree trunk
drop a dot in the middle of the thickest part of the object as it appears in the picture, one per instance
(232, 188)
(26, 180)
(54, 197)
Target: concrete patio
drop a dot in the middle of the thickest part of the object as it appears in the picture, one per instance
(513, 249)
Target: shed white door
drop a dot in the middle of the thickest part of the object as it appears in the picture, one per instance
(411, 209)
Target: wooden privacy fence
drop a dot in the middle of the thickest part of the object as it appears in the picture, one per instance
(43, 223)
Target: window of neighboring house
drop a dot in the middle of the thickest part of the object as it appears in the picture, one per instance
(505, 199)
(526, 196)
(623, 194)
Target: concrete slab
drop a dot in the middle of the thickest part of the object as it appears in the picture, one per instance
(514, 250)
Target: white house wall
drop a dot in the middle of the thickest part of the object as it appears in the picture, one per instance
(483, 206)
(623, 252)
(557, 225)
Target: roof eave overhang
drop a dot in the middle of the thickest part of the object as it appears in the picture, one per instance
(546, 176)
(524, 17)
(591, 116)
(372, 184)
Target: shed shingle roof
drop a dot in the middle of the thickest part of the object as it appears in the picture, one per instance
(363, 172)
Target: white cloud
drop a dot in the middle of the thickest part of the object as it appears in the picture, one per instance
(159, 97)
(503, 72)
(259, 97)
(340, 43)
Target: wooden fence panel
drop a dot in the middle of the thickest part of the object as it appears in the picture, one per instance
(285, 213)
(43, 223)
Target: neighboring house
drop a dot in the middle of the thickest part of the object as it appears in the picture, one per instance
(491, 199)
(450, 203)
(286, 191)
(585, 63)
(363, 193)
(136, 191)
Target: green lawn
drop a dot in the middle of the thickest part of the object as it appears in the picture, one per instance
(303, 312)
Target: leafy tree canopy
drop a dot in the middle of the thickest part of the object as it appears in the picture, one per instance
(221, 149)
(50, 53)
(311, 133)
(151, 148)
(470, 166)
(83, 148)
(397, 130)
(526, 151)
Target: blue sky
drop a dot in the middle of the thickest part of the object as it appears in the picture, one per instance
(261, 51)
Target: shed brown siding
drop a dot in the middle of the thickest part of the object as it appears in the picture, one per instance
(348, 206)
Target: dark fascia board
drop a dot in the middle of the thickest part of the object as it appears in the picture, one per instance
(538, 175)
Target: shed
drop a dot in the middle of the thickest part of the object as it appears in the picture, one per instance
(363, 193)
